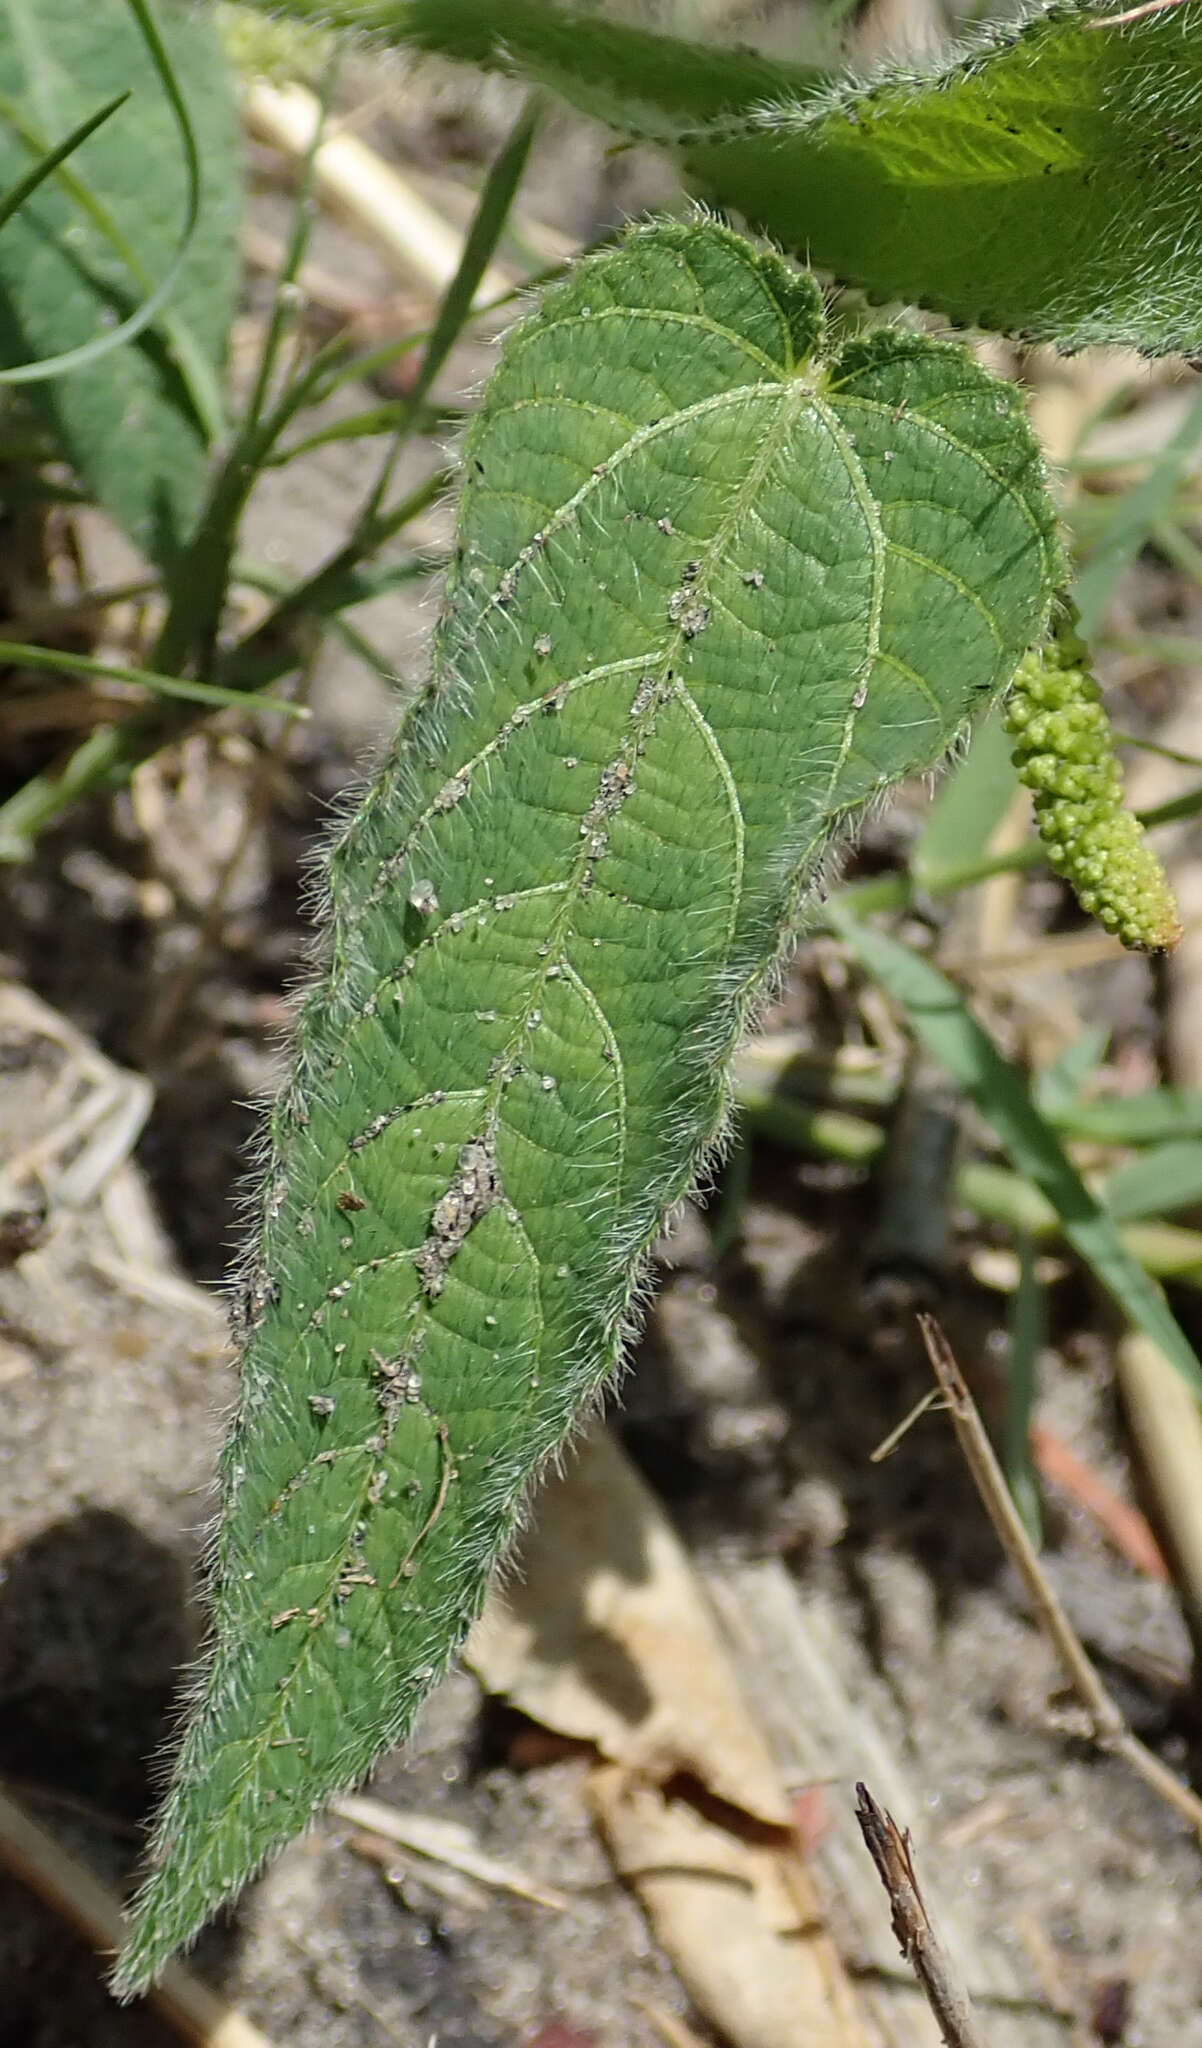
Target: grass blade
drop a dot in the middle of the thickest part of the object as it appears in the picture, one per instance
(144, 316)
(14, 199)
(25, 654)
(939, 1015)
(1135, 515)
(1028, 1335)
(1161, 1180)
(102, 234)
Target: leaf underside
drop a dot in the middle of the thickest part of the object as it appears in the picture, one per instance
(711, 596)
(1044, 182)
(124, 422)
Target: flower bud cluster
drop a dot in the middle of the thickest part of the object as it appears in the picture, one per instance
(1064, 753)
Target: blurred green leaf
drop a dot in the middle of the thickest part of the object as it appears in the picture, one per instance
(628, 77)
(129, 422)
(1058, 1086)
(1135, 515)
(23, 654)
(1165, 1178)
(1150, 1118)
(1028, 1335)
(1040, 179)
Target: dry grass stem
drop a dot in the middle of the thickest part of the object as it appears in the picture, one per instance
(916, 1937)
(889, 1444)
(1166, 1423)
(1107, 1726)
(409, 234)
(442, 1841)
(32, 1856)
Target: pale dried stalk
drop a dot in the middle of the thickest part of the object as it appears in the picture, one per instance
(1163, 1412)
(71, 1890)
(405, 229)
(920, 1945)
(1166, 1424)
(441, 1841)
(1107, 1726)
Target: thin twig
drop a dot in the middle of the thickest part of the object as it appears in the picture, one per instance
(889, 1444)
(1107, 1726)
(920, 1945)
(439, 1841)
(448, 1473)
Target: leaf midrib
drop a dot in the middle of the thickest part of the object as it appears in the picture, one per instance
(793, 394)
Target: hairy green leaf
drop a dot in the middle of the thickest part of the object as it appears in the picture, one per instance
(128, 422)
(712, 595)
(1042, 181)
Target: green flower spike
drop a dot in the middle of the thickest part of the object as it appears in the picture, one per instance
(1064, 753)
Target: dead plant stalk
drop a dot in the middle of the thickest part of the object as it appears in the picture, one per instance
(1107, 1726)
(937, 1975)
